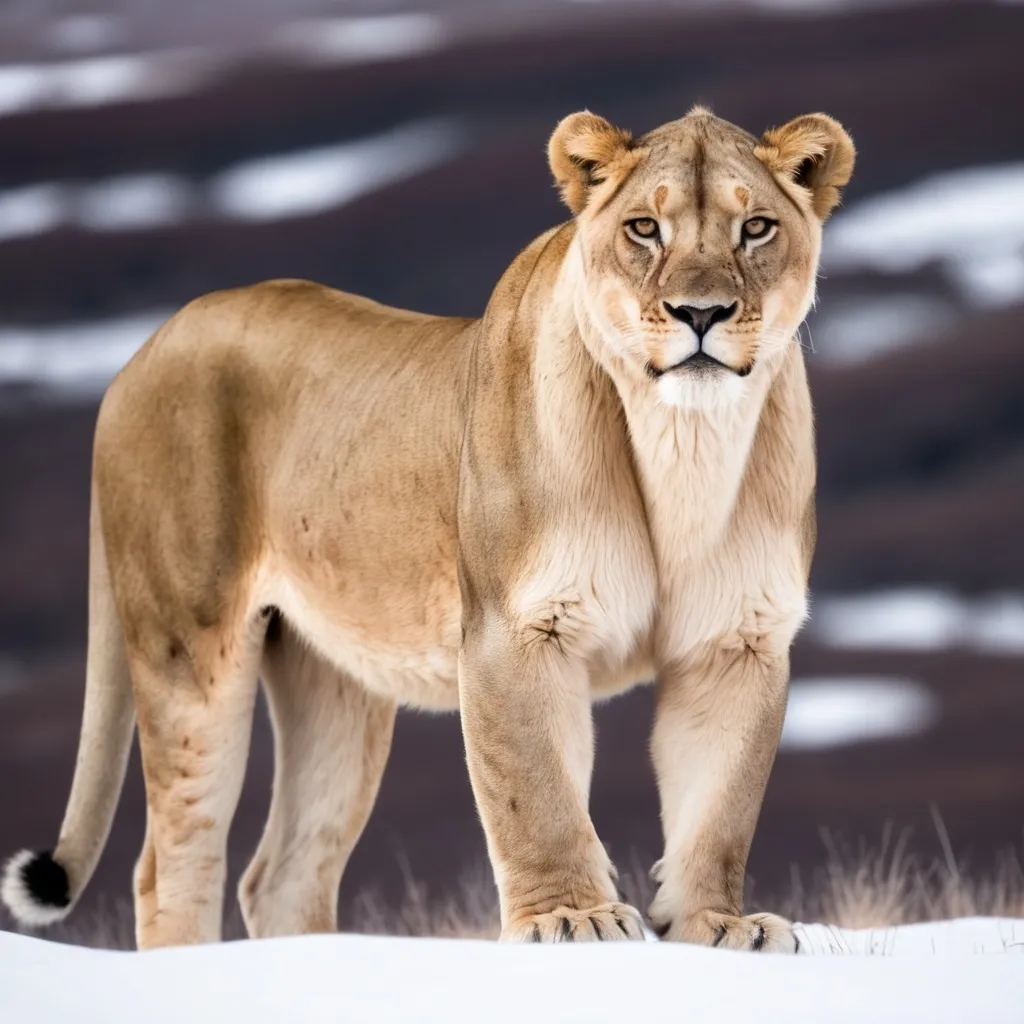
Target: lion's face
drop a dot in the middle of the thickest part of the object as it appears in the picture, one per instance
(699, 244)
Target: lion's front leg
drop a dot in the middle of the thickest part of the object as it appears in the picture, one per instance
(529, 745)
(717, 725)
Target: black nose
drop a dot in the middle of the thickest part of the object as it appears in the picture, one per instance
(701, 318)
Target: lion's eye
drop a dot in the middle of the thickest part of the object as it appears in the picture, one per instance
(757, 227)
(643, 227)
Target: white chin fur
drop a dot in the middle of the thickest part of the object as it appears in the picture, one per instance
(20, 901)
(690, 391)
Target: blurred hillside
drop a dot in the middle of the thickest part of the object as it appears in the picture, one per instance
(155, 153)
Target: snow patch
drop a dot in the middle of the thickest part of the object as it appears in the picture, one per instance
(303, 184)
(918, 619)
(993, 278)
(77, 360)
(853, 332)
(970, 221)
(124, 203)
(132, 202)
(88, 81)
(372, 979)
(831, 712)
(352, 40)
(292, 185)
(96, 81)
(33, 210)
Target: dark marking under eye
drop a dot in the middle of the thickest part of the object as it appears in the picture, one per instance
(720, 933)
(535, 934)
(566, 930)
(758, 940)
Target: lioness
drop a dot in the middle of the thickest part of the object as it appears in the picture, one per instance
(608, 477)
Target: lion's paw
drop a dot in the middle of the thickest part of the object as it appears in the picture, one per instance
(607, 922)
(757, 933)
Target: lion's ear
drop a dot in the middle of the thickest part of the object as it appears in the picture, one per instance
(813, 152)
(582, 152)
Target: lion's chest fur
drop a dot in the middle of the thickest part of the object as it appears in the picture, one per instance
(716, 554)
(656, 547)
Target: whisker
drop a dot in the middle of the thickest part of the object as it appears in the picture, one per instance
(810, 337)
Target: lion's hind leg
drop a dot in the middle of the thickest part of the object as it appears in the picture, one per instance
(331, 743)
(194, 693)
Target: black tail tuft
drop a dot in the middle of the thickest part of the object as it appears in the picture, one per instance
(36, 888)
(47, 881)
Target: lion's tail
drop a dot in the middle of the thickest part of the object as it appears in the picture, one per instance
(41, 888)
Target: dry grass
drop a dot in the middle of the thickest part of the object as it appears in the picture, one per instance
(471, 912)
(855, 888)
(888, 886)
(862, 887)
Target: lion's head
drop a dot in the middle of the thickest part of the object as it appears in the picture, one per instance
(698, 243)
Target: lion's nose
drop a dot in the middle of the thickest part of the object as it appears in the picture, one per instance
(701, 318)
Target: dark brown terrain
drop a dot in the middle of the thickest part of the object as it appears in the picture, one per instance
(921, 452)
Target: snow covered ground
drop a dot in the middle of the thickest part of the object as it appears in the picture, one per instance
(950, 973)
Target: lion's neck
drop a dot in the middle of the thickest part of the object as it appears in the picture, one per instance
(690, 461)
(690, 464)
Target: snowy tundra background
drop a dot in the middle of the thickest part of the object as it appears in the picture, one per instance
(151, 151)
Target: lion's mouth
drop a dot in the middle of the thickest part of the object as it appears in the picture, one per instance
(701, 364)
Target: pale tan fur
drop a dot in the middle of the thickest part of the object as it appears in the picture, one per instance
(513, 516)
